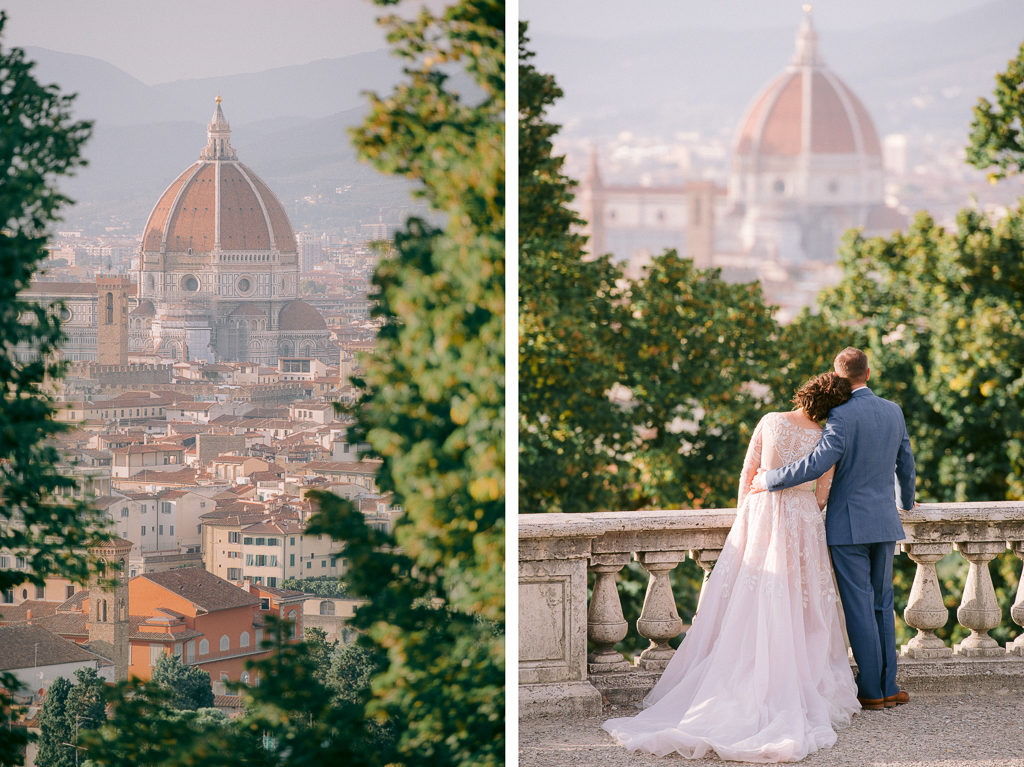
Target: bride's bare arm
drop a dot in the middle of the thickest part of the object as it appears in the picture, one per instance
(823, 486)
(751, 462)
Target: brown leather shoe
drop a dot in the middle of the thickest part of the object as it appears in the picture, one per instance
(896, 700)
(872, 704)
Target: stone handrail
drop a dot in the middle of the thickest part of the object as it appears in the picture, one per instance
(556, 551)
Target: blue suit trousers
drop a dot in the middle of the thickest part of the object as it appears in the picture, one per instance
(864, 577)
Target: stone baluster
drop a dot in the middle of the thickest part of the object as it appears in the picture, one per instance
(979, 611)
(706, 558)
(925, 610)
(1016, 647)
(605, 624)
(659, 620)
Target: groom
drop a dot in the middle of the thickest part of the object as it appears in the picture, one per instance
(866, 438)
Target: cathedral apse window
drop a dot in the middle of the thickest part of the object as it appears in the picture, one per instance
(190, 283)
(244, 285)
(779, 186)
(833, 186)
(65, 314)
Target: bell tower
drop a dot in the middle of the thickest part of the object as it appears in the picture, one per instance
(112, 320)
(108, 605)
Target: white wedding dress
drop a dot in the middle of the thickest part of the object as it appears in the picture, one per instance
(763, 673)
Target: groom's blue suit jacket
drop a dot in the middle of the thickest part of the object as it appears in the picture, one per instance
(866, 438)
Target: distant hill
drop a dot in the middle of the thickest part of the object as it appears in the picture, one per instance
(911, 77)
(290, 125)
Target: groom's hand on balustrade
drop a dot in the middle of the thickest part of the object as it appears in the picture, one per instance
(757, 483)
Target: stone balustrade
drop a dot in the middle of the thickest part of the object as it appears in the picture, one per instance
(557, 551)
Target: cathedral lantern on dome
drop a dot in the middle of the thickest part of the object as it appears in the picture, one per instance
(219, 266)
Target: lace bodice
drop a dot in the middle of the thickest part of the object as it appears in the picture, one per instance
(776, 442)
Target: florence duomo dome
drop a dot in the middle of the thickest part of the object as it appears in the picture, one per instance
(220, 267)
(807, 162)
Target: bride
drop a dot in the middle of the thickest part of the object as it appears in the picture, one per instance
(763, 674)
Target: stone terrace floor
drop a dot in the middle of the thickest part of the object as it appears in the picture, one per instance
(936, 729)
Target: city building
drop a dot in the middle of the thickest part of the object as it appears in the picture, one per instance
(217, 280)
(219, 268)
(806, 166)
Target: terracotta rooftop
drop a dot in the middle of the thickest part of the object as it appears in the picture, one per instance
(298, 315)
(67, 624)
(204, 589)
(25, 646)
(183, 477)
(344, 467)
(17, 613)
(807, 109)
(185, 220)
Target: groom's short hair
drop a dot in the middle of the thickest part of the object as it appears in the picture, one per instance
(852, 364)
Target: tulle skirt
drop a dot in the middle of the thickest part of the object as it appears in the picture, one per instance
(763, 673)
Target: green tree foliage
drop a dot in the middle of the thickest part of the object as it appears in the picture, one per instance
(352, 667)
(322, 585)
(301, 723)
(86, 703)
(433, 408)
(190, 686)
(40, 143)
(570, 432)
(687, 350)
(320, 652)
(997, 132)
(54, 730)
(68, 713)
(434, 403)
(146, 729)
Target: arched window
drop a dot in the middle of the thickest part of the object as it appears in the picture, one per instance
(204, 647)
(293, 616)
(110, 309)
(243, 640)
(225, 643)
(103, 613)
(244, 678)
(327, 607)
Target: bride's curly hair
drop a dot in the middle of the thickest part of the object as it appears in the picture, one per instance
(821, 394)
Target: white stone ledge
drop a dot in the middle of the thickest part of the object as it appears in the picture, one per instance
(556, 552)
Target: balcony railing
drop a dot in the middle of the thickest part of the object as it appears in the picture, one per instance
(556, 552)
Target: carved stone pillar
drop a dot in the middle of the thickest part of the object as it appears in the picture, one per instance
(706, 558)
(659, 620)
(1016, 647)
(605, 624)
(979, 611)
(925, 610)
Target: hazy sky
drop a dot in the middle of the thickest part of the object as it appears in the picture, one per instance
(609, 18)
(159, 41)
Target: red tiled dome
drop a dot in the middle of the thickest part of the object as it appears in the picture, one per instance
(807, 110)
(251, 218)
(299, 316)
